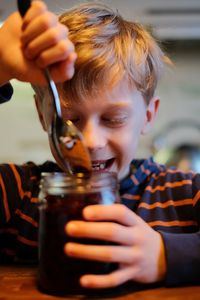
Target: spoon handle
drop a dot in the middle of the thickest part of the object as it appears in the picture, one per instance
(23, 6)
(54, 92)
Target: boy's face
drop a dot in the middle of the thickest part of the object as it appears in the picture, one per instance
(111, 125)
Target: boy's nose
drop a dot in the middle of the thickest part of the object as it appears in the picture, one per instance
(94, 136)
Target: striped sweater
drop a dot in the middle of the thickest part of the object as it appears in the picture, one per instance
(167, 199)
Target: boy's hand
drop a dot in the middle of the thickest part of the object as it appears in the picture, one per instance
(140, 252)
(35, 42)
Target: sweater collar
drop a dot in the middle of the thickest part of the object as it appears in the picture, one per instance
(140, 170)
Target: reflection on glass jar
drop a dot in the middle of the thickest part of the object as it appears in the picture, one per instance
(62, 198)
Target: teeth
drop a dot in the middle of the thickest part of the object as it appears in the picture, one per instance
(97, 167)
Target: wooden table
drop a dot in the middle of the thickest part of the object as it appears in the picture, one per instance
(19, 283)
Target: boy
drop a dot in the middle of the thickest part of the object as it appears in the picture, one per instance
(111, 100)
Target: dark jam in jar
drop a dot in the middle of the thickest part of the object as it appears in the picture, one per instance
(62, 198)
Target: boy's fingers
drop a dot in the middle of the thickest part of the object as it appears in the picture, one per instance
(64, 70)
(115, 254)
(39, 25)
(37, 8)
(45, 41)
(118, 213)
(107, 231)
(110, 280)
(55, 54)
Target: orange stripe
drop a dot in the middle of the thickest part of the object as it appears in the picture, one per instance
(26, 218)
(8, 251)
(131, 197)
(161, 174)
(172, 223)
(169, 185)
(196, 198)
(27, 242)
(166, 204)
(10, 230)
(5, 199)
(19, 183)
(34, 200)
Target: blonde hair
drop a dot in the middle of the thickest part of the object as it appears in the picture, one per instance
(110, 50)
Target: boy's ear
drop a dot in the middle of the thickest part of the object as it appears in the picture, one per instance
(38, 104)
(151, 114)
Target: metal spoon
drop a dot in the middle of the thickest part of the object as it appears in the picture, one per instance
(65, 139)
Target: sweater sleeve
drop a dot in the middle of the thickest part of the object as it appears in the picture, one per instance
(6, 92)
(18, 212)
(183, 250)
(183, 258)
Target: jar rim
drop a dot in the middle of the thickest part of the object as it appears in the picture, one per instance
(57, 182)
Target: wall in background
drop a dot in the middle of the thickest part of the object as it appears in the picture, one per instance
(22, 137)
(179, 91)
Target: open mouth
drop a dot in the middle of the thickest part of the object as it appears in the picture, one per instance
(102, 165)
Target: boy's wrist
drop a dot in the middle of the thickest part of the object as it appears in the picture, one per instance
(3, 83)
(4, 77)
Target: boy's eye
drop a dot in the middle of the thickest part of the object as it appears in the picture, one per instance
(114, 121)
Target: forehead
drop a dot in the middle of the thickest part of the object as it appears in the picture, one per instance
(119, 95)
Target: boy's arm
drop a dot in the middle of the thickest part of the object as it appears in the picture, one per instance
(15, 185)
(183, 258)
(18, 217)
(19, 210)
(35, 42)
(183, 250)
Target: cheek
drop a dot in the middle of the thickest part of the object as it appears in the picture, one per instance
(129, 147)
(131, 134)
(125, 144)
(127, 141)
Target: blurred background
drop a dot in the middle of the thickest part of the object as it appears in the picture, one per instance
(175, 139)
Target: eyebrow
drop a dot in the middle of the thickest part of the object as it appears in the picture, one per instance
(70, 105)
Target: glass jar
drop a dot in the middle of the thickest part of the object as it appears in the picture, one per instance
(62, 198)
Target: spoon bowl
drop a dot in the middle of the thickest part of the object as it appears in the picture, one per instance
(66, 140)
